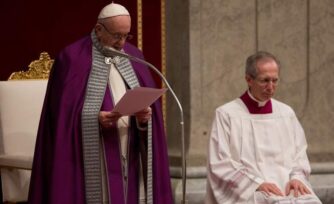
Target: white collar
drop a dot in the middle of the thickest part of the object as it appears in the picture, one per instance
(260, 103)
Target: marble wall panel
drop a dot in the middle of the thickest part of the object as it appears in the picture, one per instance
(319, 117)
(177, 65)
(282, 30)
(222, 33)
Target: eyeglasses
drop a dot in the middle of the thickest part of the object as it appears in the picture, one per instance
(117, 36)
(266, 81)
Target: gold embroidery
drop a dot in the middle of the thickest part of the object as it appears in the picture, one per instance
(163, 56)
(38, 69)
(139, 25)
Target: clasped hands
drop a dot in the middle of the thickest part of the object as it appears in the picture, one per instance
(108, 118)
(297, 186)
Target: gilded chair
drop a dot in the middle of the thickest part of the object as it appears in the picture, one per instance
(21, 100)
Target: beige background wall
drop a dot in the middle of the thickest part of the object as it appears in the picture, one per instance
(207, 44)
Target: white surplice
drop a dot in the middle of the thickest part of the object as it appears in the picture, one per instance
(248, 149)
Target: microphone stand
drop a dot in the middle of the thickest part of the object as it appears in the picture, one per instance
(114, 52)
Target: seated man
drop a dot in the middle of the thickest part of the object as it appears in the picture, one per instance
(257, 147)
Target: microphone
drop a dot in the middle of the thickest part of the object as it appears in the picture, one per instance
(111, 52)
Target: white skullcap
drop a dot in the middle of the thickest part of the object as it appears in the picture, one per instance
(112, 10)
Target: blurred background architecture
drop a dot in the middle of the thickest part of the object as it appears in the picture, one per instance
(207, 44)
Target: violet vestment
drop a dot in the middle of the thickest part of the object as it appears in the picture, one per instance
(58, 174)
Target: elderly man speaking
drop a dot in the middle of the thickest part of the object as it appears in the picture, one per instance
(85, 153)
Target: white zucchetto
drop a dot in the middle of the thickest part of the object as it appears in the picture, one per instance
(112, 10)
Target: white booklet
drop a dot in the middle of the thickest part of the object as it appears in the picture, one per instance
(137, 99)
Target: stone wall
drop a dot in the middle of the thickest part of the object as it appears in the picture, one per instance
(208, 42)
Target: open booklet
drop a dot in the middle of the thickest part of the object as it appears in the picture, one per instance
(137, 99)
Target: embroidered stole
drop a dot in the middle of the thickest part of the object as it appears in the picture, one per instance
(96, 87)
